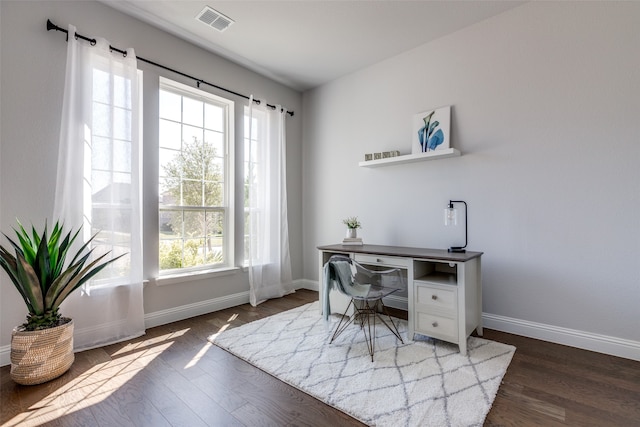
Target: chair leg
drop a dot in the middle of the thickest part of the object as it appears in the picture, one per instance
(366, 313)
(349, 319)
(394, 329)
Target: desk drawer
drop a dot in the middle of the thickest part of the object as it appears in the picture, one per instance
(389, 261)
(429, 297)
(435, 326)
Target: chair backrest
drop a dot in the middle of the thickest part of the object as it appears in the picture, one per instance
(354, 279)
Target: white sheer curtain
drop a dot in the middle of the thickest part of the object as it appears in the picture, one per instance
(269, 260)
(98, 187)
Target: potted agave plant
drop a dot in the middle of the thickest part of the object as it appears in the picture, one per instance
(42, 347)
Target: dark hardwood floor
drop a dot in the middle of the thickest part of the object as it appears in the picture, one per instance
(172, 376)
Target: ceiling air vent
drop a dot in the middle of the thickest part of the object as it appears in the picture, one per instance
(214, 19)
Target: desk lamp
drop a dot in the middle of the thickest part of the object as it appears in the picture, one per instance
(451, 218)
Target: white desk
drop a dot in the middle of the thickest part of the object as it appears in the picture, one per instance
(444, 290)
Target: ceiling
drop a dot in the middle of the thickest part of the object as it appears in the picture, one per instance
(304, 44)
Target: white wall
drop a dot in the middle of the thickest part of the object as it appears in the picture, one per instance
(545, 111)
(32, 82)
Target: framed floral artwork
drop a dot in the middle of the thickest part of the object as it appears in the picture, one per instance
(431, 130)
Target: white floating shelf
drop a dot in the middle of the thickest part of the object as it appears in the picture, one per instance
(410, 158)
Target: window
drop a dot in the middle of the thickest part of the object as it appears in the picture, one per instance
(251, 171)
(196, 179)
(111, 168)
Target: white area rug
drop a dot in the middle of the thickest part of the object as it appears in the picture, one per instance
(420, 383)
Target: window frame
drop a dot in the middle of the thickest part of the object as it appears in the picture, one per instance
(228, 188)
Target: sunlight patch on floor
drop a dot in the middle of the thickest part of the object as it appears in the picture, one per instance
(198, 356)
(150, 342)
(97, 383)
(221, 330)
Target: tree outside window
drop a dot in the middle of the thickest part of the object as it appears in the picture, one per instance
(193, 207)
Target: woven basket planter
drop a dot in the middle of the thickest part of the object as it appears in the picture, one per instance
(40, 356)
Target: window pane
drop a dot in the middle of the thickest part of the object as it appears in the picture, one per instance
(193, 253)
(122, 124)
(170, 106)
(101, 153)
(191, 193)
(192, 135)
(100, 182)
(170, 254)
(216, 140)
(192, 112)
(101, 86)
(215, 224)
(170, 224)
(194, 224)
(122, 92)
(170, 165)
(214, 117)
(214, 239)
(102, 120)
(218, 165)
(170, 134)
(213, 193)
(121, 156)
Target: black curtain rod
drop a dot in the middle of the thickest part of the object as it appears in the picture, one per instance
(52, 26)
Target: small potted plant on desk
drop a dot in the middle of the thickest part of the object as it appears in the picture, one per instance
(42, 347)
(352, 224)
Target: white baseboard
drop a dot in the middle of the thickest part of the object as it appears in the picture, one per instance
(5, 355)
(175, 314)
(199, 308)
(312, 285)
(619, 347)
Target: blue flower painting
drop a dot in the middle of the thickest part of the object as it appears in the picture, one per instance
(432, 130)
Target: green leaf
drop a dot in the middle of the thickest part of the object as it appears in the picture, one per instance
(83, 246)
(29, 280)
(42, 265)
(9, 264)
(26, 244)
(53, 249)
(87, 273)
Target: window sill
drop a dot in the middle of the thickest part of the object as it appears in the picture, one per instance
(194, 275)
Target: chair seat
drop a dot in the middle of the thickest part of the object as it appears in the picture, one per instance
(375, 293)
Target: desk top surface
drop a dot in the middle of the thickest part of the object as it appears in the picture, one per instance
(400, 251)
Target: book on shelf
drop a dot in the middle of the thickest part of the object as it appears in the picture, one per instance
(352, 241)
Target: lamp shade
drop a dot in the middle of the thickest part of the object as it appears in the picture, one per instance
(451, 218)
(450, 215)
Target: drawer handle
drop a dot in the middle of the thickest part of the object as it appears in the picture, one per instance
(434, 324)
(434, 297)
